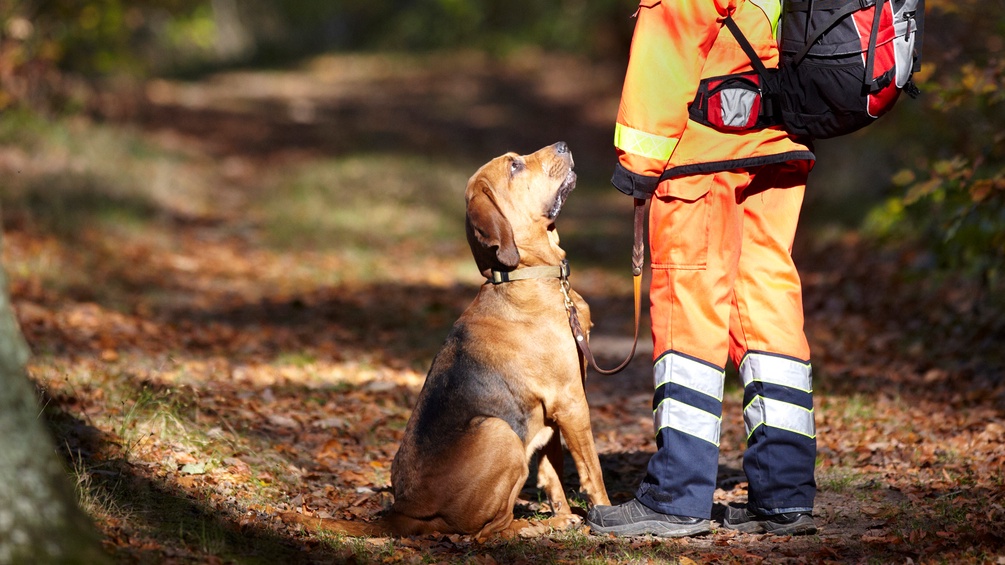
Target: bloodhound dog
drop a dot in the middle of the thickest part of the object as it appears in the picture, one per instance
(509, 380)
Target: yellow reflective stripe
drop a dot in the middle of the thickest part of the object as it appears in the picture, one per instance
(638, 142)
(687, 419)
(773, 10)
(778, 414)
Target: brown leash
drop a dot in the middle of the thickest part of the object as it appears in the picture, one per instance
(562, 272)
(638, 259)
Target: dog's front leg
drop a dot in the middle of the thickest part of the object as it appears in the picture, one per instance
(578, 434)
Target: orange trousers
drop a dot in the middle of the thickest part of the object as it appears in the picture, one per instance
(723, 279)
(724, 286)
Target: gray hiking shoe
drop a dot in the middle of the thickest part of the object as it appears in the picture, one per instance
(786, 524)
(633, 518)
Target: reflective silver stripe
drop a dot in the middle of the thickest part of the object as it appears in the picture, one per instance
(778, 414)
(687, 419)
(689, 373)
(776, 370)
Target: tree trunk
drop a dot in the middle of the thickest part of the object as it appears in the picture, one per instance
(233, 39)
(40, 521)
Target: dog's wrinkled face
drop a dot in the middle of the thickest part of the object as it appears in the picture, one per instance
(512, 203)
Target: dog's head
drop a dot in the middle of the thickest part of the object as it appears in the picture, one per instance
(512, 203)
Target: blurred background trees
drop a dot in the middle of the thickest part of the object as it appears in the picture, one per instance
(942, 187)
(142, 36)
(950, 195)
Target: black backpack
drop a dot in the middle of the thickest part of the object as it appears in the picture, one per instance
(843, 64)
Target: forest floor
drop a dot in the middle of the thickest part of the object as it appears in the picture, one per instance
(233, 287)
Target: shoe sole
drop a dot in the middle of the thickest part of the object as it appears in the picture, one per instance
(655, 528)
(802, 526)
(751, 527)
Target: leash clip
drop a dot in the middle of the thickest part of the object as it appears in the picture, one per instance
(570, 307)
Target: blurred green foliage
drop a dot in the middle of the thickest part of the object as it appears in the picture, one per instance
(136, 36)
(94, 36)
(950, 198)
(586, 26)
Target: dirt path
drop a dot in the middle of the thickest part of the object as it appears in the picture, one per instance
(202, 378)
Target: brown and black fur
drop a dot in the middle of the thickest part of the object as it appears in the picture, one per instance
(509, 380)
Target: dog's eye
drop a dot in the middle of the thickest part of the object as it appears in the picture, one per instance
(515, 166)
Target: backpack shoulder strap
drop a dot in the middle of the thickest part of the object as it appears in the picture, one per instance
(755, 60)
(870, 59)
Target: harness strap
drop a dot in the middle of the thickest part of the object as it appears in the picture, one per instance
(870, 59)
(748, 49)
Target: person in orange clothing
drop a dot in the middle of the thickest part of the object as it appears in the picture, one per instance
(726, 189)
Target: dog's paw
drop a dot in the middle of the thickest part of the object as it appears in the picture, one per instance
(538, 528)
(565, 521)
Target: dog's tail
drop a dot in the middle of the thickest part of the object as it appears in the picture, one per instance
(388, 525)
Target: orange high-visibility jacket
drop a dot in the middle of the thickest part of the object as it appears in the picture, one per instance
(676, 44)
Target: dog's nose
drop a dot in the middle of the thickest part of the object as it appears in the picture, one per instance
(561, 147)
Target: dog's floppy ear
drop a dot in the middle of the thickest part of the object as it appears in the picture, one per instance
(489, 232)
